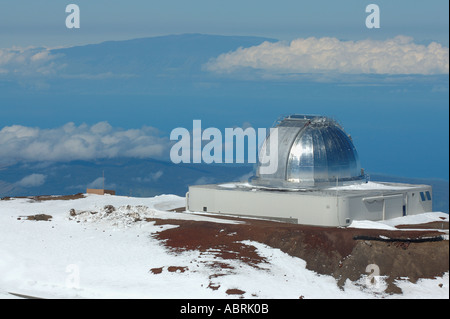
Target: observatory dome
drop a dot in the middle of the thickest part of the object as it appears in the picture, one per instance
(313, 151)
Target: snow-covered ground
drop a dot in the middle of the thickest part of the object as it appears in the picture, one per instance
(109, 254)
(406, 220)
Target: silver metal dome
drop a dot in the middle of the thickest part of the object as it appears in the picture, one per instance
(313, 151)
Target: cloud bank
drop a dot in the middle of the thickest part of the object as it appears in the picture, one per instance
(330, 55)
(83, 142)
(27, 62)
(33, 180)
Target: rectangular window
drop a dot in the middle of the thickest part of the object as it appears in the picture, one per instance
(422, 196)
(428, 195)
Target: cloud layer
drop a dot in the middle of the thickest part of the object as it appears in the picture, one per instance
(322, 55)
(32, 180)
(27, 62)
(83, 142)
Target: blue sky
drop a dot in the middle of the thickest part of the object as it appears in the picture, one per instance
(25, 22)
(399, 120)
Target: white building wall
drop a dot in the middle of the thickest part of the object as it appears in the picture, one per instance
(289, 207)
(323, 210)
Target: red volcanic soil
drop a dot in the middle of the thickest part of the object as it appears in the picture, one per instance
(341, 252)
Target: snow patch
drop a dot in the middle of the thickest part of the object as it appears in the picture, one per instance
(371, 186)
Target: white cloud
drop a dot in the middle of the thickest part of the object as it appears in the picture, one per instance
(330, 55)
(83, 142)
(204, 180)
(97, 183)
(27, 61)
(32, 180)
(152, 177)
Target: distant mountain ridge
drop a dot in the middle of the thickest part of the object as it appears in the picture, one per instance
(147, 56)
(145, 65)
(146, 178)
(141, 178)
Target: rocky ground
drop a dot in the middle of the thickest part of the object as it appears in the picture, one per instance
(344, 253)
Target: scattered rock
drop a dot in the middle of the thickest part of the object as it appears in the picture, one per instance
(156, 270)
(213, 286)
(177, 269)
(110, 208)
(120, 217)
(39, 217)
(234, 291)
